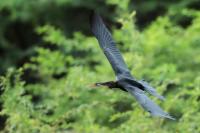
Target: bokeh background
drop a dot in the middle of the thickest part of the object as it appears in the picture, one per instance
(48, 59)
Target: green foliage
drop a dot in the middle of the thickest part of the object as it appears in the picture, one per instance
(50, 92)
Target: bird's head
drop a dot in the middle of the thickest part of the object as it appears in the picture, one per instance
(109, 84)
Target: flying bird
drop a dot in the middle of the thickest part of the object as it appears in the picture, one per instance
(124, 80)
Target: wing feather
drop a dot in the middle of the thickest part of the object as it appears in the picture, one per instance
(109, 48)
(147, 104)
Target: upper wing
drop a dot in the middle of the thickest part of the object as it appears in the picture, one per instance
(108, 46)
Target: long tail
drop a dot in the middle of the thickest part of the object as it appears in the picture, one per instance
(148, 104)
(151, 90)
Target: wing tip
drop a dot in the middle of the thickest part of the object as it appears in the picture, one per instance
(93, 18)
(166, 115)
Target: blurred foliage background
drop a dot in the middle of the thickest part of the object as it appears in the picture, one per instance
(48, 59)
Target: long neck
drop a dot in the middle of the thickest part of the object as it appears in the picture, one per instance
(111, 84)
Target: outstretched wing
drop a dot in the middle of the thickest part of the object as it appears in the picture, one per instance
(147, 104)
(108, 46)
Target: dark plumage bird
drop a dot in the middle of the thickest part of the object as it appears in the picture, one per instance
(125, 81)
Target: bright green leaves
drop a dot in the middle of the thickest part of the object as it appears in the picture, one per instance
(16, 105)
(60, 98)
(49, 65)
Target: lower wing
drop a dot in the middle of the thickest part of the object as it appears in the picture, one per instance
(148, 104)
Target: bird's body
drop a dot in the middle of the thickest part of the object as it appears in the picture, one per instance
(125, 81)
(121, 84)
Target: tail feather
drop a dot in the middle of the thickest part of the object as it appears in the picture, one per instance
(151, 90)
(148, 104)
